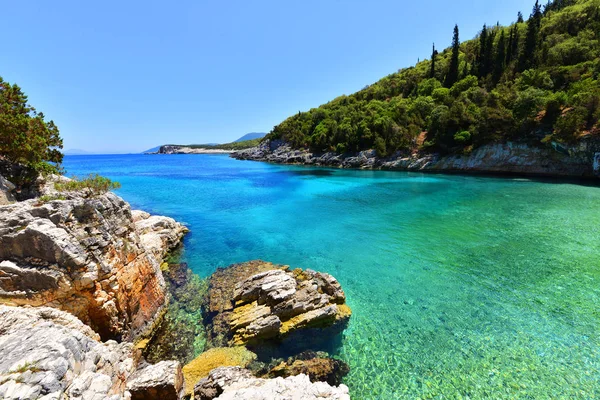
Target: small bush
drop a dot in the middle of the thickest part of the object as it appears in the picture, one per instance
(92, 185)
(49, 197)
(462, 137)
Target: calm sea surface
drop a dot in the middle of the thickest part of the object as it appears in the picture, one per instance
(461, 287)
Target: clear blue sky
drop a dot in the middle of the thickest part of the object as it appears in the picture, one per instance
(123, 76)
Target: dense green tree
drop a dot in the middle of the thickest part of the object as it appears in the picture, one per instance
(520, 17)
(452, 75)
(26, 138)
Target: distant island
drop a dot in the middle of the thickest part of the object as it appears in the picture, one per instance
(245, 142)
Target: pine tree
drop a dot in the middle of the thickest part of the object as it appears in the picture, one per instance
(520, 17)
(500, 57)
(480, 56)
(509, 47)
(514, 49)
(452, 75)
(434, 54)
(488, 55)
(528, 55)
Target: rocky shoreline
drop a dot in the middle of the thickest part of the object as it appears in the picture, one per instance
(556, 160)
(86, 297)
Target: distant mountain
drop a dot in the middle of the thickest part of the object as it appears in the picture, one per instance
(75, 152)
(250, 136)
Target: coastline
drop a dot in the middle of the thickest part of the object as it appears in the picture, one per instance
(511, 158)
(91, 306)
(189, 150)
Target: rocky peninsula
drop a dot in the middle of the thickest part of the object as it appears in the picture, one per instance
(84, 288)
(557, 160)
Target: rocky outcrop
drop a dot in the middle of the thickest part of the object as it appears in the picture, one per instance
(318, 366)
(217, 380)
(579, 160)
(159, 234)
(6, 191)
(46, 353)
(254, 302)
(86, 256)
(161, 381)
(235, 383)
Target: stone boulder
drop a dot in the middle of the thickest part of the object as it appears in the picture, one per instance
(6, 192)
(234, 383)
(253, 302)
(214, 384)
(163, 381)
(159, 234)
(47, 353)
(85, 256)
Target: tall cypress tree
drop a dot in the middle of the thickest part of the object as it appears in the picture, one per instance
(509, 46)
(434, 54)
(514, 49)
(488, 55)
(480, 56)
(499, 64)
(452, 75)
(528, 55)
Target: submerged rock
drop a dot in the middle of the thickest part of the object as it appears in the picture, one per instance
(235, 383)
(180, 334)
(253, 302)
(317, 365)
(86, 256)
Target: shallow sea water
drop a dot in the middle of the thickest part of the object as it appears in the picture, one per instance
(461, 287)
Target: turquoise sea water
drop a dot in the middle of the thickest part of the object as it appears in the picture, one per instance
(461, 287)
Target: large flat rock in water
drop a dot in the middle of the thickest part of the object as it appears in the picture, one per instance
(254, 302)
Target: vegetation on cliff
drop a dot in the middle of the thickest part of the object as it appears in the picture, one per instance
(26, 138)
(535, 80)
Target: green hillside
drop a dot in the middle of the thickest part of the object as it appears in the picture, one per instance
(535, 81)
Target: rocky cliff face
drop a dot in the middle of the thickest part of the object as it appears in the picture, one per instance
(87, 256)
(580, 160)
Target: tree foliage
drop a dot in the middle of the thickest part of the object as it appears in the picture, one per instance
(533, 80)
(25, 136)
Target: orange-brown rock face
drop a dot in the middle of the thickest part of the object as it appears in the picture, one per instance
(87, 257)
